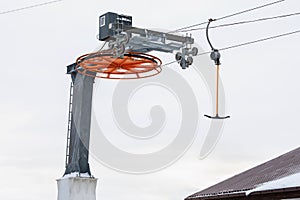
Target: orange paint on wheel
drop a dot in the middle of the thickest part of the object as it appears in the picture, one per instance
(130, 66)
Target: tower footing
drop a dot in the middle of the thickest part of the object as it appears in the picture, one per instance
(76, 188)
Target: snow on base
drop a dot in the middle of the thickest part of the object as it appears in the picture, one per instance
(285, 182)
(76, 188)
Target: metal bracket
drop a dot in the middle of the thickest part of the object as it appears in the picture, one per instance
(185, 56)
(122, 38)
(118, 44)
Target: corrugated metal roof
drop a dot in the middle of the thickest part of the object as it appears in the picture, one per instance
(277, 168)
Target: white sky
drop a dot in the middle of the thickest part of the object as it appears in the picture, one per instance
(261, 85)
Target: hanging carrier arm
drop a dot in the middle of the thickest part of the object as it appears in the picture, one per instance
(215, 54)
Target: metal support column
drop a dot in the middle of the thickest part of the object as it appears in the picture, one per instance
(80, 123)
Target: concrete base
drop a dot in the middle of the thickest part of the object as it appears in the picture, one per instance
(76, 188)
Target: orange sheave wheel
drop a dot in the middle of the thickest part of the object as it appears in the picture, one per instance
(130, 66)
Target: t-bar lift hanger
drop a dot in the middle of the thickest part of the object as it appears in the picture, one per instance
(215, 56)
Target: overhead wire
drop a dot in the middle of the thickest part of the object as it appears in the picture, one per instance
(186, 29)
(228, 16)
(251, 9)
(28, 7)
(169, 63)
(251, 42)
(259, 40)
(243, 44)
(245, 22)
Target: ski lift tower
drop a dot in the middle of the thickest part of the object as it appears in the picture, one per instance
(125, 58)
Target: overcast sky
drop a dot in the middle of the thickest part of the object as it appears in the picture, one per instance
(261, 84)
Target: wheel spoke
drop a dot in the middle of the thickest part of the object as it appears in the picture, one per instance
(137, 64)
